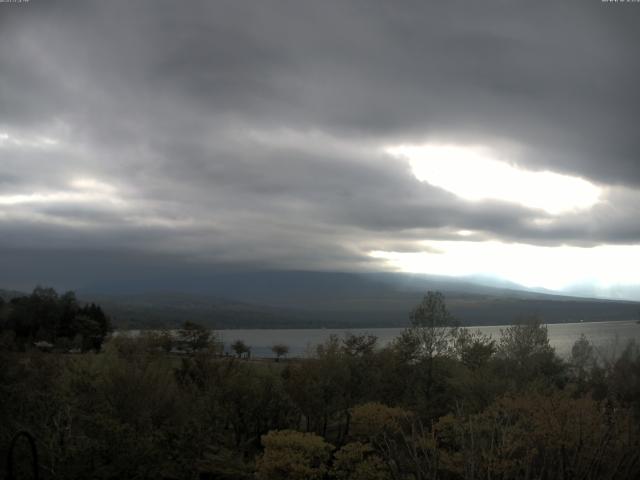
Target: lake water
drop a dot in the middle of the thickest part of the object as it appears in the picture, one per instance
(609, 338)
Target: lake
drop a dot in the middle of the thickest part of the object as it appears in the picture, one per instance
(609, 338)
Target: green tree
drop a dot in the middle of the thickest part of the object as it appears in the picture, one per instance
(194, 337)
(44, 315)
(474, 349)
(432, 326)
(526, 353)
(432, 333)
(99, 327)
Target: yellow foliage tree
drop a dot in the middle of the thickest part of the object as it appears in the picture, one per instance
(292, 455)
(539, 436)
(359, 461)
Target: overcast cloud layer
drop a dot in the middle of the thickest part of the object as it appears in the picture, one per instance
(252, 133)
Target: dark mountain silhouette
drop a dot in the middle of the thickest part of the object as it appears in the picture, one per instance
(278, 299)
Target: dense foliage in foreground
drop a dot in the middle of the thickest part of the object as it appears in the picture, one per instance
(440, 402)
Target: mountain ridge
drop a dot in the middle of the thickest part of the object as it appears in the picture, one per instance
(302, 299)
(277, 299)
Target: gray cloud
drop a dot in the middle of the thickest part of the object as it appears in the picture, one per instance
(250, 132)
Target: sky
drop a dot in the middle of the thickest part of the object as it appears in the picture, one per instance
(487, 138)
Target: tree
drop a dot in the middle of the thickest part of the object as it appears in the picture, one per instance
(291, 455)
(474, 349)
(44, 315)
(526, 353)
(525, 338)
(320, 386)
(359, 345)
(359, 461)
(433, 326)
(432, 333)
(624, 376)
(68, 311)
(582, 358)
(194, 337)
(90, 332)
(96, 313)
(398, 437)
(280, 349)
(539, 435)
(240, 348)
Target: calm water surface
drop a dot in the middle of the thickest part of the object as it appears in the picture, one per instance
(608, 337)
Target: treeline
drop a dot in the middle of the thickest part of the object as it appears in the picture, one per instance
(53, 321)
(440, 402)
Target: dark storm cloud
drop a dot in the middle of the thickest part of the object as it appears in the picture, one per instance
(251, 132)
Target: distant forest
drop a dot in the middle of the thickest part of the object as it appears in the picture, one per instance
(440, 402)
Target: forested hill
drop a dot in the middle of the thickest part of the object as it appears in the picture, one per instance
(316, 300)
(138, 311)
(319, 299)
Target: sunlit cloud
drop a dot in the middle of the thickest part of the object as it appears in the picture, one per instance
(529, 265)
(473, 173)
(80, 191)
(92, 185)
(53, 197)
(27, 141)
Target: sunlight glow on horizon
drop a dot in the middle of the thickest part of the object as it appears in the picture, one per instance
(474, 174)
(553, 268)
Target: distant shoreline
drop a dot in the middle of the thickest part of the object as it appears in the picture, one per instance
(365, 327)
